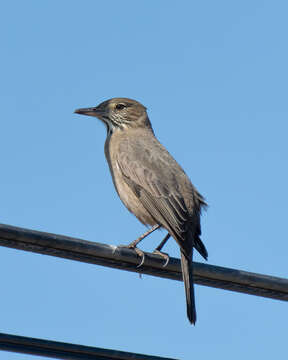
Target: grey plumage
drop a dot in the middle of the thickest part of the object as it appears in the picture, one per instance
(150, 183)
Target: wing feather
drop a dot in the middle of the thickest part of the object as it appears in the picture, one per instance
(157, 190)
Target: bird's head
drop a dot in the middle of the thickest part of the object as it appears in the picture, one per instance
(119, 113)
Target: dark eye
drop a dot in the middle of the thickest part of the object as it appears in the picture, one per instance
(119, 106)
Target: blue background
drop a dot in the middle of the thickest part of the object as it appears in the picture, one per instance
(213, 75)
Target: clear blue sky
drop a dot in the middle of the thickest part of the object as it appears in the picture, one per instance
(213, 75)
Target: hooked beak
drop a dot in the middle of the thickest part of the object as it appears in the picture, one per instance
(92, 111)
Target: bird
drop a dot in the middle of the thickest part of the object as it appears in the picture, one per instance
(151, 184)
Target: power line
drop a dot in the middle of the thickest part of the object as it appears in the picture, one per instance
(127, 259)
(60, 350)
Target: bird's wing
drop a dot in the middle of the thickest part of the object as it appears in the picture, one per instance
(157, 188)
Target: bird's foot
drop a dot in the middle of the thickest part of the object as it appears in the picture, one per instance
(139, 252)
(164, 255)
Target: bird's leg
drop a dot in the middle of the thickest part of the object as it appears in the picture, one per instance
(133, 244)
(163, 242)
(159, 248)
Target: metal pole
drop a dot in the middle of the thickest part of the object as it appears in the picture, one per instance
(126, 259)
(60, 350)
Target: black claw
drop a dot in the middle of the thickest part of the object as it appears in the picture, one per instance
(142, 262)
(164, 255)
(167, 262)
(140, 253)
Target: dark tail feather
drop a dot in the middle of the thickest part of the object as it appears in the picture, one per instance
(200, 247)
(187, 271)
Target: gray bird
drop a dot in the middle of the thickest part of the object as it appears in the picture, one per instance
(150, 183)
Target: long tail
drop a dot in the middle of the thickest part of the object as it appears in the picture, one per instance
(187, 271)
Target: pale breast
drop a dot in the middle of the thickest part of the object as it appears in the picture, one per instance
(126, 195)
